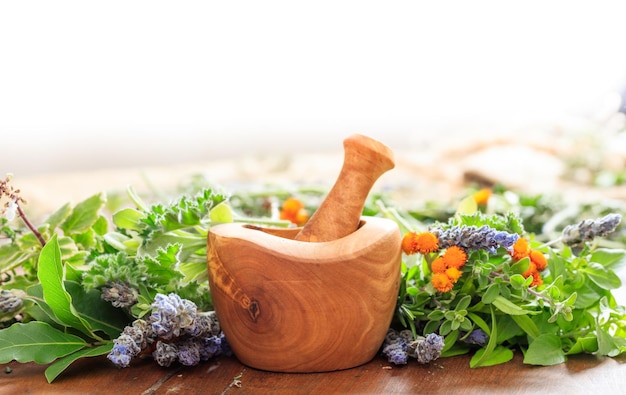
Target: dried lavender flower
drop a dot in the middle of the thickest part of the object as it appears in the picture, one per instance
(9, 301)
(124, 350)
(171, 314)
(189, 352)
(426, 349)
(588, 229)
(165, 353)
(477, 337)
(474, 238)
(119, 294)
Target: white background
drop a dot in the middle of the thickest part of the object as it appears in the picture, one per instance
(87, 85)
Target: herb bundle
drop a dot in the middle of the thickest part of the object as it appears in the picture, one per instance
(134, 283)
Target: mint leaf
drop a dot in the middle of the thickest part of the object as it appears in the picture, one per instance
(545, 350)
(36, 342)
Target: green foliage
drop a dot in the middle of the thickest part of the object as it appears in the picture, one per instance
(36, 342)
(571, 311)
(161, 248)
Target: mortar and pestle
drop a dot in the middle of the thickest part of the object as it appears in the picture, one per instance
(317, 298)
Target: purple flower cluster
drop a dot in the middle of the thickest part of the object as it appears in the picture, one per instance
(399, 346)
(176, 332)
(589, 229)
(475, 238)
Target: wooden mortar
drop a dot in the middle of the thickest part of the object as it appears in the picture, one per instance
(288, 304)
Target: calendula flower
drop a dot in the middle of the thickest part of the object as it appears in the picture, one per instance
(423, 243)
(534, 273)
(293, 210)
(482, 196)
(439, 265)
(455, 257)
(442, 282)
(538, 259)
(453, 274)
(521, 249)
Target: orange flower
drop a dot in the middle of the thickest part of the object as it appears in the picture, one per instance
(482, 196)
(442, 282)
(424, 243)
(294, 211)
(454, 274)
(521, 249)
(538, 259)
(532, 271)
(455, 257)
(439, 265)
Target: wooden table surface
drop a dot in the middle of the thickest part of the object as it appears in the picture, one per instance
(225, 375)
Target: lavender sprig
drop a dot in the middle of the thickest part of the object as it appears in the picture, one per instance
(474, 238)
(588, 229)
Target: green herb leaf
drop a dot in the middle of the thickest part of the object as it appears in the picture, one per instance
(499, 355)
(54, 370)
(545, 350)
(36, 342)
(603, 277)
(50, 275)
(84, 214)
(510, 308)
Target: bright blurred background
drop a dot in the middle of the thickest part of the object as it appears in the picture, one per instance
(86, 85)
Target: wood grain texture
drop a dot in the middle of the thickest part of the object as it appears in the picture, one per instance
(294, 306)
(365, 160)
(583, 374)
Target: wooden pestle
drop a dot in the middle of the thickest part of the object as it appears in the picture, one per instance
(365, 160)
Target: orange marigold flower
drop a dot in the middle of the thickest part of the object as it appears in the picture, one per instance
(521, 249)
(538, 259)
(532, 268)
(482, 196)
(438, 265)
(454, 274)
(442, 282)
(534, 273)
(293, 210)
(424, 243)
(455, 256)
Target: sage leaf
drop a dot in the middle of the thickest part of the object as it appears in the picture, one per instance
(36, 342)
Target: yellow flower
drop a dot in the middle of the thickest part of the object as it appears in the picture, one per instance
(424, 243)
(455, 257)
